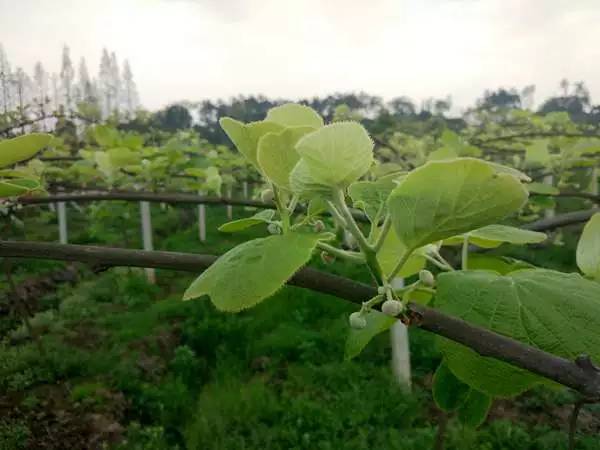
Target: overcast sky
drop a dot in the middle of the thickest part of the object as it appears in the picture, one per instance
(195, 49)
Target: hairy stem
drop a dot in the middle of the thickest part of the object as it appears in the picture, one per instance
(342, 254)
(385, 229)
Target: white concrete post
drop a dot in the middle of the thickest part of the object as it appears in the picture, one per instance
(202, 220)
(400, 347)
(549, 180)
(147, 236)
(229, 207)
(63, 235)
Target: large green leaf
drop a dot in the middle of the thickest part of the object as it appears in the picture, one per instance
(246, 136)
(277, 155)
(359, 338)
(492, 236)
(553, 311)
(294, 115)
(20, 148)
(448, 391)
(445, 198)
(253, 271)
(588, 248)
(242, 224)
(336, 155)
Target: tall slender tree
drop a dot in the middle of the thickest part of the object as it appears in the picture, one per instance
(67, 77)
(5, 77)
(130, 94)
(40, 91)
(105, 85)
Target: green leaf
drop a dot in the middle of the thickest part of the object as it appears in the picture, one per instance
(537, 154)
(553, 311)
(336, 155)
(390, 253)
(542, 188)
(122, 156)
(588, 248)
(16, 187)
(358, 339)
(316, 207)
(448, 391)
(371, 196)
(305, 185)
(20, 148)
(253, 271)
(294, 115)
(445, 198)
(246, 136)
(492, 236)
(442, 153)
(106, 136)
(511, 171)
(277, 155)
(241, 224)
(474, 410)
(500, 264)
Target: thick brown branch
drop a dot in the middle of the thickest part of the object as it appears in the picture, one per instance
(159, 197)
(484, 342)
(178, 198)
(533, 135)
(561, 220)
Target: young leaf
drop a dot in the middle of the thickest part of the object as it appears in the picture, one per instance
(277, 155)
(294, 115)
(537, 154)
(390, 253)
(553, 311)
(305, 185)
(500, 264)
(448, 391)
(16, 187)
(246, 136)
(253, 271)
(542, 188)
(336, 155)
(492, 236)
(371, 196)
(445, 198)
(588, 248)
(20, 148)
(242, 224)
(359, 338)
(474, 410)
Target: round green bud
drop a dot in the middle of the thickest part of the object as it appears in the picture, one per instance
(318, 226)
(357, 321)
(427, 278)
(267, 196)
(392, 307)
(381, 290)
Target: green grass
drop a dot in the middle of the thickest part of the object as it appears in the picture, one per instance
(272, 377)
